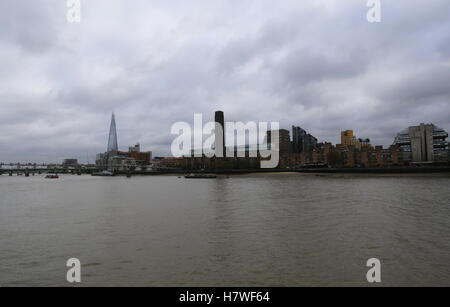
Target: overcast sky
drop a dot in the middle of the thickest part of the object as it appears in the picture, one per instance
(318, 64)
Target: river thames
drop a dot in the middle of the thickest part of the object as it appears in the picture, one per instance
(248, 230)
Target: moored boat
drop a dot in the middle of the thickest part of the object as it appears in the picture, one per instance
(104, 174)
(200, 176)
(52, 176)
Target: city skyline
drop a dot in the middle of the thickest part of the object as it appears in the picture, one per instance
(256, 61)
(299, 141)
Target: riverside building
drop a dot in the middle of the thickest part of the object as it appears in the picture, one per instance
(423, 143)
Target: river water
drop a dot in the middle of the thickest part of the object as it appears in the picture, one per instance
(248, 230)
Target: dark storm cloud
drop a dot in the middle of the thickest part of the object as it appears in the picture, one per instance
(318, 64)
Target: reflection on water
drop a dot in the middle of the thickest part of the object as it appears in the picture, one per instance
(252, 230)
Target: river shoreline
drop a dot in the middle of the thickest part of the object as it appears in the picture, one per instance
(398, 170)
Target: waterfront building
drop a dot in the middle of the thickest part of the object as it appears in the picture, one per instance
(283, 144)
(70, 163)
(235, 157)
(142, 158)
(302, 141)
(168, 162)
(348, 138)
(323, 154)
(351, 156)
(245, 157)
(385, 157)
(115, 160)
(423, 143)
(135, 148)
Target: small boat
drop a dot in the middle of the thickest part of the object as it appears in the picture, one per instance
(200, 176)
(52, 176)
(104, 174)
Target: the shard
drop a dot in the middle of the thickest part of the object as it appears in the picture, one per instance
(112, 140)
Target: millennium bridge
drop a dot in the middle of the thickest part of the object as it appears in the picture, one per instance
(32, 169)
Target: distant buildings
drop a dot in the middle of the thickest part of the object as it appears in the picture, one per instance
(352, 152)
(349, 139)
(292, 152)
(418, 144)
(167, 162)
(234, 157)
(326, 154)
(302, 141)
(136, 154)
(423, 143)
(297, 151)
(115, 160)
(283, 144)
(112, 139)
(70, 163)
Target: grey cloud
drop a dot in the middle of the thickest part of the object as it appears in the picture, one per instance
(28, 25)
(318, 64)
(422, 86)
(303, 66)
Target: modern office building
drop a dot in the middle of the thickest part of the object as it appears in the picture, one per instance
(423, 143)
(113, 159)
(112, 139)
(302, 141)
(283, 143)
